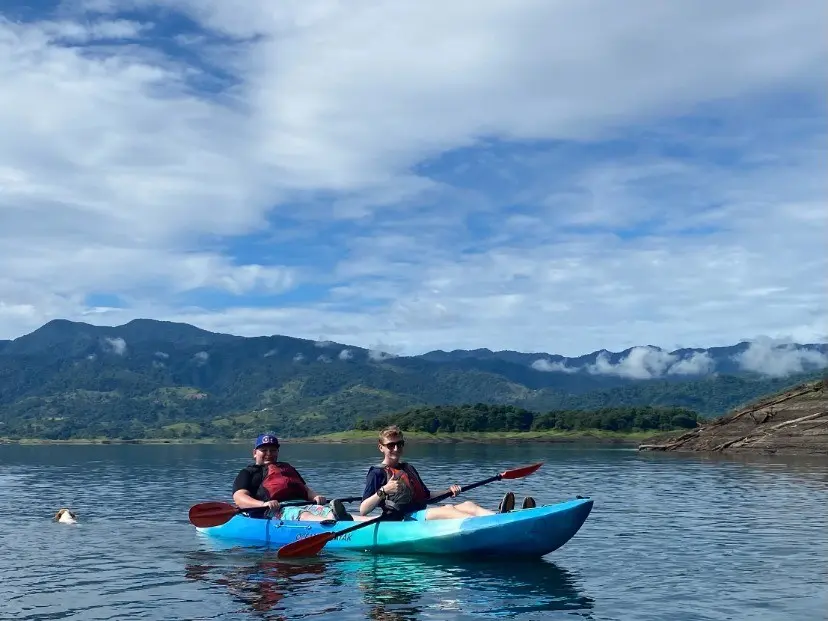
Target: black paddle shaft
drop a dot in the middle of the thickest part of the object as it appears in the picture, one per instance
(465, 488)
(296, 503)
(442, 496)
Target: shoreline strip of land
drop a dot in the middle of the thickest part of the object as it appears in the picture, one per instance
(596, 436)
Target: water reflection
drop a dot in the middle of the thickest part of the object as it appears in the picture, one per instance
(808, 469)
(400, 589)
(387, 588)
(260, 583)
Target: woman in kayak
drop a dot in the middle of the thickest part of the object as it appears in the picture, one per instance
(268, 481)
(396, 486)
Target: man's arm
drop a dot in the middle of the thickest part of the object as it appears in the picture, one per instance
(244, 500)
(241, 492)
(314, 497)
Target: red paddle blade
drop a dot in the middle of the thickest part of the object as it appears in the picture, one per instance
(518, 473)
(208, 514)
(305, 547)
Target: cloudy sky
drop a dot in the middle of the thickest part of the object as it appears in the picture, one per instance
(539, 175)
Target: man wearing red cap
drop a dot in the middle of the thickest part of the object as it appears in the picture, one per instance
(268, 481)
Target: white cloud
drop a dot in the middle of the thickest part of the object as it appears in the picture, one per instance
(542, 364)
(778, 358)
(63, 269)
(116, 345)
(380, 349)
(201, 357)
(119, 174)
(543, 70)
(640, 363)
(75, 32)
(699, 363)
(345, 354)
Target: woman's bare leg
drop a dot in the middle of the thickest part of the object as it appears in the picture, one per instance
(449, 512)
(470, 508)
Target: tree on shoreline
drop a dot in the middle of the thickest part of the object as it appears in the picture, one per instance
(482, 417)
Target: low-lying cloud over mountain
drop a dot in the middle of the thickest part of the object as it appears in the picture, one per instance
(779, 359)
(542, 364)
(764, 356)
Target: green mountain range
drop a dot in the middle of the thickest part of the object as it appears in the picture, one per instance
(150, 379)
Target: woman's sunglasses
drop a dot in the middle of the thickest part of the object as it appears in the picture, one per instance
(392, 445)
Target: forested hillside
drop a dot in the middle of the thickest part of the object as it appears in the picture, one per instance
(156, 379)
(483, 417)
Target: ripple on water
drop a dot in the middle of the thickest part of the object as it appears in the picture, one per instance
(359, 586)
(670, 538)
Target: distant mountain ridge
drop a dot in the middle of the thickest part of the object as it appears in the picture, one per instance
(652, 361)
(155, 377)
(79, 336)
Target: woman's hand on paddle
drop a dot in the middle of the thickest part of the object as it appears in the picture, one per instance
(320, 499)
(455, 489)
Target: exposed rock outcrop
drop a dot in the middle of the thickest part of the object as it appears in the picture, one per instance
(791, 422)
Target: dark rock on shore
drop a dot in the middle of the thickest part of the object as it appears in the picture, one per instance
(793, 422)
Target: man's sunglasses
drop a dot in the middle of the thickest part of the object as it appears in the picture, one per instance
(392, 445)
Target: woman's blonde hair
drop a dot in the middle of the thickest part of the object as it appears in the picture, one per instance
(390, 432)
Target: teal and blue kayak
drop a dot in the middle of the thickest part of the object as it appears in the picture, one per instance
(520, 533)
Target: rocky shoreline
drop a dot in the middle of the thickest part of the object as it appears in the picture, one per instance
(792, 422)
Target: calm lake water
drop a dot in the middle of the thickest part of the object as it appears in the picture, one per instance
(670, 537)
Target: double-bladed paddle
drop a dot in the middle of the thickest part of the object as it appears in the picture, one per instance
(208, 514)
(312, 545)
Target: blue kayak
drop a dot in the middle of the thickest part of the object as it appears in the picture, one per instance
(519, 533)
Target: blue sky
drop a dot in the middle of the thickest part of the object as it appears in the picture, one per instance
(407, 175)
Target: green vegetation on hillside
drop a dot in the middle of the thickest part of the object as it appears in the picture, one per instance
(101, 408)
(598, 436)
(483, 417)
(151, 379)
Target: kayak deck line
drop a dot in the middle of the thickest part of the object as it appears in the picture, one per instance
(520, 533)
